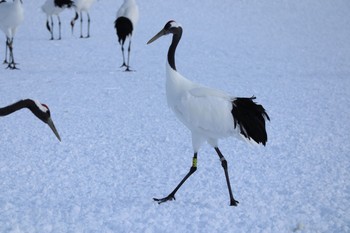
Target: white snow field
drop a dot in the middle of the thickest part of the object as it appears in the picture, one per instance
(121, 144)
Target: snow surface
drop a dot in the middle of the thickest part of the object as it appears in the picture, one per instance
(121, 145)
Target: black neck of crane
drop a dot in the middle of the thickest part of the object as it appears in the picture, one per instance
(171, 53)
(27, 103)
(13, 107)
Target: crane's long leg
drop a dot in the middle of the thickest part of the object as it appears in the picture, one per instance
(128, 66)
(59, 27)
(5, 61)
(88, 31)
(171, 196)
(48, 27)
(81, 24)
(73, 21)
(122, 46)
(51, 31)
(12, 64)
(233, 202)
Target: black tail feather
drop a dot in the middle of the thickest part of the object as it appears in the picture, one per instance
(124, 28)
(251, 119)
(63, 3)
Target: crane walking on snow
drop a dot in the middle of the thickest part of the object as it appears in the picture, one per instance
(55, 7)
(208, 113)
(41, 111)
(80, 7)
(127, 17)
(11, 16)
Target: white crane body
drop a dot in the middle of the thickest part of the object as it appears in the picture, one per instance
(209, 114)
(11, 16)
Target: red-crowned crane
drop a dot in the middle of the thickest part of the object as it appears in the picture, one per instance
(41, 111)
(11, 16)
(80, 7)
(55, 7)
(127, 17)
(208, 113)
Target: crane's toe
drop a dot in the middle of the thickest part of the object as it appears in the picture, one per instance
(12, 66)
(233, 202)
(128, 69)
(165, 199)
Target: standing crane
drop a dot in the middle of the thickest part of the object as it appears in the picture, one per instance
(11, 16)
(127, 17)
(208, 113)
(55, 7)
(80, 7)
(41, 111)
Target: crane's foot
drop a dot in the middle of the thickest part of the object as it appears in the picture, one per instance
(128, 69)
(233, 202)
(12, 66)
(5, 62)
(171, 197)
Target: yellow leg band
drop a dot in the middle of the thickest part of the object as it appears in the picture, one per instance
(194, 162)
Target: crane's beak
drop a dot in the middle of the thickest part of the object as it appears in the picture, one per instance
(52, 126)
(159, 34)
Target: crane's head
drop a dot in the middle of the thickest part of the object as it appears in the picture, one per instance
(42, 112)
(170, 27)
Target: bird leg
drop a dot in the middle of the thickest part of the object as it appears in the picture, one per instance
(171, 196)
(5, 61)
(233, 202)
(123, 56)
(51, 31)
(88, 31)
(128, 67)
(59, 27)
(12, 64)
(48, 27)
(81, 24)
(73, 21)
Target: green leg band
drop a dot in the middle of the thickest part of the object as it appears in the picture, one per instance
(194, 162)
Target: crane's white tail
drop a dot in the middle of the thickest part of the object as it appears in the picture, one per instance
(250, 117)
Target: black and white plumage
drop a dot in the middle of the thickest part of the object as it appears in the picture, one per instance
(80, 7)
(11, 16)
(208, 113)
(41, 111)
(55, 7)
(127, 17)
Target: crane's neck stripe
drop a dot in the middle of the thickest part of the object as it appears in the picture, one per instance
(177, 33)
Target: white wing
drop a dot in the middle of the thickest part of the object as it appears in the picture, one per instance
(207, 111)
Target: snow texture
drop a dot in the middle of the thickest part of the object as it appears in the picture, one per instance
(121, 144)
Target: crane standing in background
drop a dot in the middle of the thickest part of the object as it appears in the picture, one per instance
(11, 16)
(55, 7)
(80, 7)
(127, 17)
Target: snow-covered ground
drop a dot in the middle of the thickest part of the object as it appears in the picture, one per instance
(121, 145)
